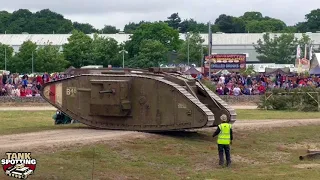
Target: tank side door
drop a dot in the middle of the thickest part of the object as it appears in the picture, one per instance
(110, 98)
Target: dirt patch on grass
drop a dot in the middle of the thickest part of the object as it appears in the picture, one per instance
(50, 140)
(240, 159)
(304, 145)
(307, 166)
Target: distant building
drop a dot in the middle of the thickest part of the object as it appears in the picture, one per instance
(221, 43)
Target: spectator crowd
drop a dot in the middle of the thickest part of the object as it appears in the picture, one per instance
(231, 84)
(237, 84)
(23, 85)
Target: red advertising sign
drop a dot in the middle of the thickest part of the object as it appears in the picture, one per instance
(227, 61)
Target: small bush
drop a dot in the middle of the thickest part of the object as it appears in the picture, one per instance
(209, 85)
(300, 99)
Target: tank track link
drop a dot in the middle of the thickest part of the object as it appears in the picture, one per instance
(221, 103)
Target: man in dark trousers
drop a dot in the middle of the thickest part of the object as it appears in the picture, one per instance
(224, 132)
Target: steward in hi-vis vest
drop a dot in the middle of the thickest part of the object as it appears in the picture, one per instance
(224, 132)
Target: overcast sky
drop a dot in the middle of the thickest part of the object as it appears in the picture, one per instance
(120, 12)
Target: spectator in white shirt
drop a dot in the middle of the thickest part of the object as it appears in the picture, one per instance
(222, 79)
(236, 91)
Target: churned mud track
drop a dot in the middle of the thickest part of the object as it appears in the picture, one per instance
(66, 137)
(69, 137)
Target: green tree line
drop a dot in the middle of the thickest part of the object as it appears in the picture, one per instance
(150, 45)
(48, 22)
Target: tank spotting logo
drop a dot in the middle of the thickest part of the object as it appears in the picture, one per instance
(18, 164)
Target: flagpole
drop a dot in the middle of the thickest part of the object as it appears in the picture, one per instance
(310, 52)
(305, 51)
(298, 58)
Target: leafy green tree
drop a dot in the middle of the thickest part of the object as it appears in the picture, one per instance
(109, 30)
(152, 53)
(271, 25)
(84, 27)
(48, 22)
(252, 16)
(78, 49)
(190, 25)
(174, 21)
(4, 20)
(230, 24)
(19, 21)
(6, 53)
(239, 25)
(159, 31)
(313, 20)
(194, 41)
(49, 59)
(301, 27)
(105, 51)
(281, 50)
(22, 61)
(289, 29)
(225, 23)
(131, 27)
(41, 22)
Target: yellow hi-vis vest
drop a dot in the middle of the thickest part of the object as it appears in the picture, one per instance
(224, 135)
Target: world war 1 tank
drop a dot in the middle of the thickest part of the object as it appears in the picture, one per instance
(157, 99)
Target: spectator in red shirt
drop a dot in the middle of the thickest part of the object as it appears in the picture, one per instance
(261, 89)
(302, 82)
(22, 92)
(39, 80)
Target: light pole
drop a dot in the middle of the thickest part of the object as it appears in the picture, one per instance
(188, 49)
(201, 60)
(201, 51)
(32, 63)
(5, 58)
(123, 52)
(209, 47)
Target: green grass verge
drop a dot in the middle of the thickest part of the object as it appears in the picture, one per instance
(268, 154)
(254, 114)
(28, 121)
(32, 121)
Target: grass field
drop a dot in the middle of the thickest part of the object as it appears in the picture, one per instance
(256, 155)
(264, 154)
(244, 114)
(28, 121)
(32, 121)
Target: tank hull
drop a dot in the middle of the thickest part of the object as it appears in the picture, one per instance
(134, 102)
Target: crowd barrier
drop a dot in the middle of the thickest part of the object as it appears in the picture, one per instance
(39, 101)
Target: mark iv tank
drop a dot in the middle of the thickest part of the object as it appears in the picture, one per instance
(158, 99)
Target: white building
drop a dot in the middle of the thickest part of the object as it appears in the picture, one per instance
(221, 43)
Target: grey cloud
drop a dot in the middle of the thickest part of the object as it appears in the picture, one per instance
(118, 13)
